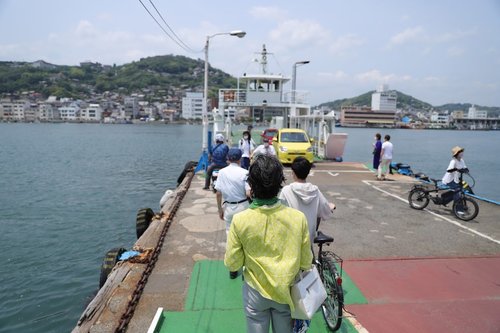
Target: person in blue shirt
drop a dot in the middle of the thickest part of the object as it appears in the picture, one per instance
(377, 148)
(218, 158)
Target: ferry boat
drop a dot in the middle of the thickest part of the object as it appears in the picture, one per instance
(263, 97)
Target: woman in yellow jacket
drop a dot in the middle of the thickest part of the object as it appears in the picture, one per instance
(272, 242)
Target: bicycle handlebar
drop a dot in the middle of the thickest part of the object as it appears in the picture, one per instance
(464, 170)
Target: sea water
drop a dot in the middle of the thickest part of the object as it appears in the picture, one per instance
(71, 192)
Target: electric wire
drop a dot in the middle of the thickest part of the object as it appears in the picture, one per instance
(185, 48)
(171, 30)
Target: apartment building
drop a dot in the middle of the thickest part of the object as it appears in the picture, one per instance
(70, 112)
(92, 113)
(193, 105)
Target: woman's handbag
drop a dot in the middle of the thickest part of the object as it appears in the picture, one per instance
(308, 293)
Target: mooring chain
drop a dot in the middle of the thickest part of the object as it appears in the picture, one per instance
(136, 295)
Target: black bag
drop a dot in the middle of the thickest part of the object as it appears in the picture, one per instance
(447, 197)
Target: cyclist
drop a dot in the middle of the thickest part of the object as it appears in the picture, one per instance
(451, 177)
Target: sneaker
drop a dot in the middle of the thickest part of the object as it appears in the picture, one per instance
(233, 275)
(300, 326)
(206, 188)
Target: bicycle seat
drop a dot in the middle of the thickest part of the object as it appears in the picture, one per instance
(322, 238)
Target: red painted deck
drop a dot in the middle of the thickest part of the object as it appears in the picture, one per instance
(428, 295)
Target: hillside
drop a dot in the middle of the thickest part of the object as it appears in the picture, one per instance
(156, 77)
(153, 73)
(405, 102)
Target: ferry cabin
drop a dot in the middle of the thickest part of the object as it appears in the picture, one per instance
(262, 97)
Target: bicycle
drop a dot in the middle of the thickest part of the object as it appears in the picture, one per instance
(464, 208)
(332, 280)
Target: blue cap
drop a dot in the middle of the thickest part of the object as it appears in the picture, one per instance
(234, 154)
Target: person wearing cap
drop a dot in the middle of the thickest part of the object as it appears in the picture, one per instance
(265, 149)
(451, 177)
(233, 191)
(218, 158)
(232, 188)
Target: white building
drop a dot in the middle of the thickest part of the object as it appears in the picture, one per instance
(476, 114)
(384, 100)
(440, 118)
(193, 105)
(70, 112)
(131, 107)
(45, 111)
(91, 113)
(13, 110)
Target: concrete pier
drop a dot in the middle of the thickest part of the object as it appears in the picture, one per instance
(411, 271)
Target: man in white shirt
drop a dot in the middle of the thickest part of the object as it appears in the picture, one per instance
(305, 196)
(265, 149)
(232, 188)
(385, 157)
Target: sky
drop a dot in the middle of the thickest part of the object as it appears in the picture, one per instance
(437, 51)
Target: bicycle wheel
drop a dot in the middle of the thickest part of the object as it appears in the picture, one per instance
(334, 303)
(418, 198)
(465, 208)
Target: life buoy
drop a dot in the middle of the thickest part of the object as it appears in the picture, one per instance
(143, 220)
(110, 260)
(187, 168)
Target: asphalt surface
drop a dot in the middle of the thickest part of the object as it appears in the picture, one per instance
(372, 224)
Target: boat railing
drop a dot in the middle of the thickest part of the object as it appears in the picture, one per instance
(301, 96)
(240, 96)
(232, 95)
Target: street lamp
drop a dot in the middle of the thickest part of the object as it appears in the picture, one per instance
(294, 77)
(239, 34)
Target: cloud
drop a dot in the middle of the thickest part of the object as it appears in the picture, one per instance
(432, 79)
(85, 29)
(295, 33)
(375, 76)
(455, 51)
(419, 35)
(408, 35)
(345, 43)
(268, 13)
(338, 75)
(453, 36)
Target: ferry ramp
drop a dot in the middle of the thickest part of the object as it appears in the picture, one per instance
(404, 270)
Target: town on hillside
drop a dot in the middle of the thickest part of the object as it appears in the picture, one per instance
(182, 104)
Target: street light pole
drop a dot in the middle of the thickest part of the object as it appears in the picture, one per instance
(237, 33)
(294, 77)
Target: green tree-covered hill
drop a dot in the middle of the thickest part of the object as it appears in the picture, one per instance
(404, 102)
(156, 73)
(161, 74)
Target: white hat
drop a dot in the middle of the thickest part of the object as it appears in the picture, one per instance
(219, 137)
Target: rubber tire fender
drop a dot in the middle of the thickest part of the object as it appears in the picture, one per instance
(109, 261)
(143, 220)
(187, 168)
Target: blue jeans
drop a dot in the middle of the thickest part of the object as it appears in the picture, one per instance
(245, 162)
(456, 188)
